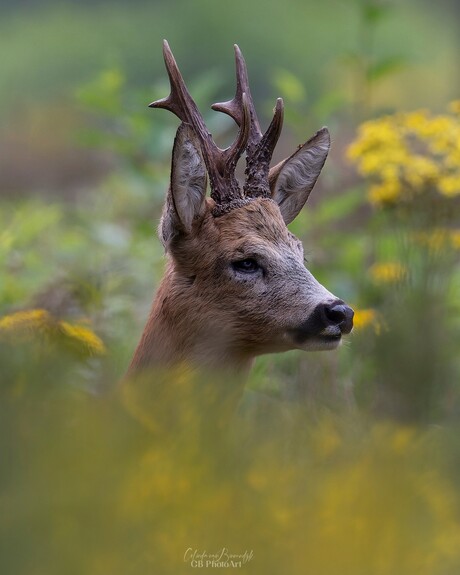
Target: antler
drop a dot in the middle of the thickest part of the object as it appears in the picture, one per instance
(220, 164)
(260, 147)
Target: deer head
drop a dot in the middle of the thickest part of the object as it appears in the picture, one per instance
(236, 285)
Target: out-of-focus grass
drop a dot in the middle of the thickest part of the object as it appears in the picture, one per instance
(127, 482)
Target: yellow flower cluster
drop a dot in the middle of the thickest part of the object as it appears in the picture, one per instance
(28, 324)
(406, 154)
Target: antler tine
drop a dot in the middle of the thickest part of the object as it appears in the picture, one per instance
(259, 156)
(179, 101)
(234, 107)
(234, 152)
(220, 164)
(260, 147)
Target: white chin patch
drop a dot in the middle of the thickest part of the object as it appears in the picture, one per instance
(329, 338)
(320, 344)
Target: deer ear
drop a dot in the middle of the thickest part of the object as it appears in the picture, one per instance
(292, 180)
(185, 201)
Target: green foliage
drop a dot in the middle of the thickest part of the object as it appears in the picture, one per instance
(82, 267)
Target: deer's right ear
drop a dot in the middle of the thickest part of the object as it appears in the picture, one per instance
(185, 201)
(292, 180)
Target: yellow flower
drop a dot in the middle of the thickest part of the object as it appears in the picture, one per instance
(385, 193)
(450, 185)
(438, 239)
(420, 171)
(365, 318)
(370, 164)
(84, 337)
(29, 323)
(416, 120)
(388, 272)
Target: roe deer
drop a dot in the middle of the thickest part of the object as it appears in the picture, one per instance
(235, 284)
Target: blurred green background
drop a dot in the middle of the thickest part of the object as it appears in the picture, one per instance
(351, 459)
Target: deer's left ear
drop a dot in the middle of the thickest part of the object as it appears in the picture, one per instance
(186, 196)
(292, 180)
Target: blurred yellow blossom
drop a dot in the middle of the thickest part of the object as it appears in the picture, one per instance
(83, 336)
(406, 154)
(365, 318)
(450, 185)
(28, 324)
(438, 239)
(386, 192)
(28, 321)
(388, 272)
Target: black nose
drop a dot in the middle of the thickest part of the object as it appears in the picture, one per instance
(339, 314)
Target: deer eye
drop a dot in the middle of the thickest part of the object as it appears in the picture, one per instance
(247, 266)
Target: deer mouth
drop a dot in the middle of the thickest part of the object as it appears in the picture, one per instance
(329, 338)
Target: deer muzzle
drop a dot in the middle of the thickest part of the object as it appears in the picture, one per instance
(327, 323)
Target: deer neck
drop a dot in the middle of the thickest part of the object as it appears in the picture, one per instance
(179, 332)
